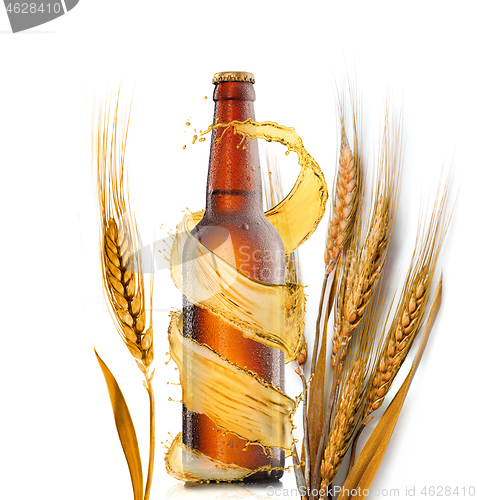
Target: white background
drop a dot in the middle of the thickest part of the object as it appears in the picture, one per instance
(58, 439)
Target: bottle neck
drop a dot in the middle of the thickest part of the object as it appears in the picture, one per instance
(234, 181)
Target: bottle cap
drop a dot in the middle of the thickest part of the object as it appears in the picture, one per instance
(233, 76)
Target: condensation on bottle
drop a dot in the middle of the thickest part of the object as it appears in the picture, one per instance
(235, 228)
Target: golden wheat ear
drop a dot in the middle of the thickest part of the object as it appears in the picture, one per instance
(347, 189)
(123, 279)
(362, 263)
(370, 241)
(409, 317)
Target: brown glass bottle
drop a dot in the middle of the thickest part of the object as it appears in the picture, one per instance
(234, 203)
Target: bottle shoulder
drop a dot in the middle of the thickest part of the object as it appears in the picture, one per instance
(250, 243)
(248, 226)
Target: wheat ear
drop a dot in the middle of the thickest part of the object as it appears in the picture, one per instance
(345, 201)
(126, 293)
(344, 423)
(401, 335)
(346, 194)
(359, 280)
(409, 315)
(123, 279)
(365, 261)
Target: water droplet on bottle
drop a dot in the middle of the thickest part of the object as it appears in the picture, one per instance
(246, 226)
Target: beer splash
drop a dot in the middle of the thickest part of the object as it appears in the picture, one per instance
(255, 308)
(297, 216)
(241, 392)
(232, 396)
(189, 465)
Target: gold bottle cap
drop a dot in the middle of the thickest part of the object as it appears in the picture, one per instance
(233, 76)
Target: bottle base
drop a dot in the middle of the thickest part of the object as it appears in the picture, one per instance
(263, 477)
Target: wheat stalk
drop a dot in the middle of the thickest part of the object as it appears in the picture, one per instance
(273, 191)
(345, 203)
(362, 267)
(123, 279)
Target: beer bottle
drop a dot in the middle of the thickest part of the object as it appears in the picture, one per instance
(234, 203)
